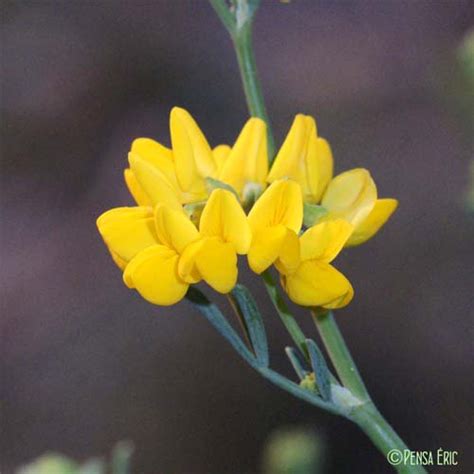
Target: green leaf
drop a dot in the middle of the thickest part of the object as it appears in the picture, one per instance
(320, 369)
(212, 313)
(216, 184)
(312, 213)
(253, 322)
(297, 362)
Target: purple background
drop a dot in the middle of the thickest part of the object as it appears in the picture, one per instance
(86, 362)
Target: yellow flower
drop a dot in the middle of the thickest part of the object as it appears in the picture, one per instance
(303, 262)
(305, 158)
(275, 220)
(162, 252)
(315, 282)
(352, 195)
(180, 175)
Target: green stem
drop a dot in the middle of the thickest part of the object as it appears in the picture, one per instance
(286, 317)
(340, 355)
(224, 14)
(239, 25)
(364, 414)
(374, 425)
(252, 87)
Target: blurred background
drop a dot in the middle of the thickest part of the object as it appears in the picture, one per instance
(85, 362)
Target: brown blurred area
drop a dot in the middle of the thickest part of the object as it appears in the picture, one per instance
(85, 362)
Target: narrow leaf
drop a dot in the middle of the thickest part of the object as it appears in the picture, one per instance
(297, 362)
(320, 369)
(253, 322)
(212, 313)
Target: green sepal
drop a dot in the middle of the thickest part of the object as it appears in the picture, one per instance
(216, 184)
(250, 194)
(312, 214)
(194, 211)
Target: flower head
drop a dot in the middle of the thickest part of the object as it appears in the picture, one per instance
(162, 252)
(186, 173)
(352, 195)
(303, 261)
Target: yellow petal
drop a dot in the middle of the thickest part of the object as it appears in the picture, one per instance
(120, 262)
(174, 229)
(350, 196)
(157, 155)
(122, 213)
(341, 301)
(220, 154)
(318, 284)
(325, 240)
(216, 262)
(224, 217)
(187, 268)
(127, 230)
(153, 273)
(266, 247)
(290, 159)
(248, 160)
(135, 189)
(191, 151)
(380, 214)
(289, 258)
(154, 183)
(281, 203)
(319, 168)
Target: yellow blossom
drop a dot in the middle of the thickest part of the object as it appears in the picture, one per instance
(315, 282)
(275, 220)
(352, 195)
(303, 262)
(162, 252)
(180, 175)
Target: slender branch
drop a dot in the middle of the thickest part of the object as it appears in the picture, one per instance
(340, 355)
(252, 87)
(372, 423)
(224, 14)
(286, 317)
(239, 25)
(363, 412)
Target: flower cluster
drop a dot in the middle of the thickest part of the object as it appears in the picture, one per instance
(190, 222)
